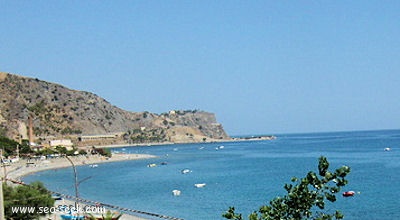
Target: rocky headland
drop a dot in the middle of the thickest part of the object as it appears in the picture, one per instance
(56, 112)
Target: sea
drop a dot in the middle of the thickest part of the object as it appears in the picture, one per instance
(243, 174)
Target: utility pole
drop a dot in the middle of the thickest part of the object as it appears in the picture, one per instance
(2, 216)
(75, 181)
(17, 151)
(30, 131)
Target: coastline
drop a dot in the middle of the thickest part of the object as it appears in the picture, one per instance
(235, 139)
(17, 170)
(22, 168)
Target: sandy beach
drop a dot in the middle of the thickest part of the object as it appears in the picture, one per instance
(23, 167)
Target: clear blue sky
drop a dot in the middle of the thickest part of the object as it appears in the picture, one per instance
(263, 67)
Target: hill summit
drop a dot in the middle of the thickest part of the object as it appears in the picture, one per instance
(57, 112)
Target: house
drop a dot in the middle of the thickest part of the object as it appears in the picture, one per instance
(63, 143)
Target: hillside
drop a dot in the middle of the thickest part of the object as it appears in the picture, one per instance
(58, 112)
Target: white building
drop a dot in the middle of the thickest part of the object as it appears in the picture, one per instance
(63, 143)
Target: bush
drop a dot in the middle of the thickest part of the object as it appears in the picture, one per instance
(302, 197)
(34, 195)
(103, 151)
(10, 146)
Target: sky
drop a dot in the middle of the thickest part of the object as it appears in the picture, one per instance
(263, 67)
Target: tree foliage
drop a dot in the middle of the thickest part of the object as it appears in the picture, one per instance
(305, 197)
(10, 146)
(102, 151)
(34, 195)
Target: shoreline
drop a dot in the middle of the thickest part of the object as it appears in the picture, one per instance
(22, 168)
(237, 139)
(18, 170)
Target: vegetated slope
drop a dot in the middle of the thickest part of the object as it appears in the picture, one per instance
(58, 111)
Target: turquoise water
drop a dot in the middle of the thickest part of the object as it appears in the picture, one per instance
(244, 174)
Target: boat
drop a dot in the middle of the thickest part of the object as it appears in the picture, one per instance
(220, 147)
(164, 163)
(93, 165)
(348, 193)
(200, 185)
(152, 165)
(56, 197)
(387, 149)
(176, 192)
(185, 171)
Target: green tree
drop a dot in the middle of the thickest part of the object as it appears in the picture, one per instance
(46, 151)
(61, 150)
(103, 151)
(10, 146)
(303, 196)
(25, 148)
(34, 195)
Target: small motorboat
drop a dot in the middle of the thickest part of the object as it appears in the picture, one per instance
(220, 147)
(56, 197)
(387, 149)
(152, 165)
(200, 185)
(348, 193)
(185, 171)
(176, 192)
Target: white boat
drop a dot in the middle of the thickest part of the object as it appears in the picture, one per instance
(185, 171)
(220, 147)
(176, 192)
(387, 149)
(200, 185)
(152, 165)
(93, 165)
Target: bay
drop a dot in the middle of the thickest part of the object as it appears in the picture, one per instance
(244, 174)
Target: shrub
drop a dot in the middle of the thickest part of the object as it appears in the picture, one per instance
(305, 197)
(34, 195)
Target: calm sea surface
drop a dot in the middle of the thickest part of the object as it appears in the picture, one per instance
(243, 174)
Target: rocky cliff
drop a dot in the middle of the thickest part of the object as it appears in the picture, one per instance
(57, 111)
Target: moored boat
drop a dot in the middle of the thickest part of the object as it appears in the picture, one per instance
(200, 185)
(348, 193)
(176, 192)
(185, 171)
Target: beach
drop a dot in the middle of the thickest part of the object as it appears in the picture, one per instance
(24, 167)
